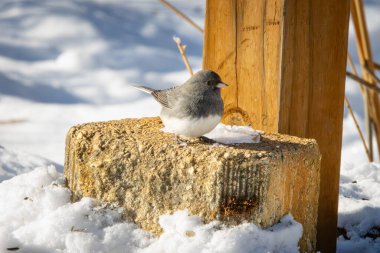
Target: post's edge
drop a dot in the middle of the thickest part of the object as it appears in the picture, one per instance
(69, 166)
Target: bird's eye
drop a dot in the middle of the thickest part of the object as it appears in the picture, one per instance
(209, 82)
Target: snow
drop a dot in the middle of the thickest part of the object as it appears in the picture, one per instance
(189, 127)
(359, 208)
(51, 223)
(64, 63)
(221, 134)
(227, 134)
(207, 238)
(13, 163)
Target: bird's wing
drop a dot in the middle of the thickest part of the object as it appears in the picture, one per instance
(162, 97)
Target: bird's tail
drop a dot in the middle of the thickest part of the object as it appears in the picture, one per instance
(144, 89)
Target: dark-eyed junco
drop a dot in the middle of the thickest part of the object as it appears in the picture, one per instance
(193, 108)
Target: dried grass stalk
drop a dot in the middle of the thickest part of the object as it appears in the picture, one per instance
(182, 48)
(349, 108)
(366, 59)
(363, 82)
(180, 14)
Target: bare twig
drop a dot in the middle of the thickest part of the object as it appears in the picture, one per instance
(348, 105)
(370, 72)
(363, 82)
(365, 103)
(349, 108)
(365, 56)
(353, 68)
(180, 14)
(13, 248)
(12, 121)
(182, 48)
(352, 65)
(377, 65)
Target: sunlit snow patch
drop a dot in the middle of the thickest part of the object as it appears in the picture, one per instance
(234, 134)
(226, 134)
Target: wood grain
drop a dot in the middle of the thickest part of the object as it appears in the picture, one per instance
(220, 43)
(326, 98)
(289, 77)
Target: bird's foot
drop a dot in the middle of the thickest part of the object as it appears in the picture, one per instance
(204, 139)
(184, 141)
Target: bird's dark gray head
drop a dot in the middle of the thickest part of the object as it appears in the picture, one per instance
(206, 80)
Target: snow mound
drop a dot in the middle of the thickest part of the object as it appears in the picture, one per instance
(359, 209)
(183, 233)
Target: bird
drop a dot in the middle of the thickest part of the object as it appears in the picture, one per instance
(192, 109)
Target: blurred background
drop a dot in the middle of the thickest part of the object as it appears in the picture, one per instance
(68, 62)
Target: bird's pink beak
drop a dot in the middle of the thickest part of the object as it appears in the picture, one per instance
(221, 85)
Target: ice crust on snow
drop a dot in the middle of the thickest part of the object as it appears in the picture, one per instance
(37, 216)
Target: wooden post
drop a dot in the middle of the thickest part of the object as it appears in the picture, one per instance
(285, 61)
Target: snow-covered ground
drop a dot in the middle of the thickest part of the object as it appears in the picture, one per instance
(37, 216)
(67, 62)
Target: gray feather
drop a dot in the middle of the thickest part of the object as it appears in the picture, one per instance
(144, 89)
(162, 97)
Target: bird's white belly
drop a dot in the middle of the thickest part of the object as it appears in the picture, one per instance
(190, 127)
